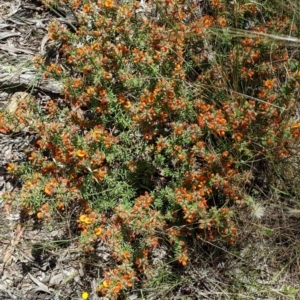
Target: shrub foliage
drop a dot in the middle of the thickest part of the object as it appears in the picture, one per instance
(172, 110)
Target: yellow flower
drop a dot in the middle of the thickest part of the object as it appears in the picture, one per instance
(96, 134)
(98, 231)
(85, 295)
(90, 90)
(81, 153)
(85, 219)
(127, 105)
(82, 218)
(106, 283)
(88, 220)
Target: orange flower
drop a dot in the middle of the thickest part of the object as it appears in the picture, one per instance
(178, 130)
(255, 55)
(49, 189)
(154, 242)
(177, 68)
(126, 254)
(96, 46)
(32, 156)
(100, 174)
(148, 136)
(52, 36)
(283, 153)
(81, 153)
(117, 288)
(10, 167)
(268, 84)
(86, 8)
(222, 22)
(238, 136)
(45, 207)
(207, 21)
(215, 2)
(225, 154)
(262, 94)
(183, 260)
(101, 92)
(108, 4)
(58, 70)
(296, 125)
(39, 215)
(285, 56)
(250, 74)
(296, 133)
(70, 59)
(60, 206)
(107, 75)
(85, 70)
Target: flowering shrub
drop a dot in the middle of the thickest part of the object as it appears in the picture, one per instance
(170, 112)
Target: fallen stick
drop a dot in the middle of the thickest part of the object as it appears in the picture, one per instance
(30, 79)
